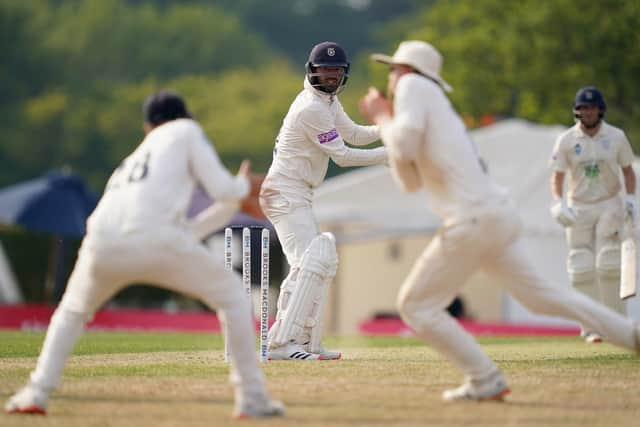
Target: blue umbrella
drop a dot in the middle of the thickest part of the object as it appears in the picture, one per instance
(57, 203)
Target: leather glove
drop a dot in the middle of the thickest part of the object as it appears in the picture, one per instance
(563, 214)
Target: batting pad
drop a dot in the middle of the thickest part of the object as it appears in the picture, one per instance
(318, 266)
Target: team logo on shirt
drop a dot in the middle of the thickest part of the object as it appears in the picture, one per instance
(606, 144)
(578, 149)
(323, 138)
(592, 170)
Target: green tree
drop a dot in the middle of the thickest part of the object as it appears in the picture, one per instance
(528, 58)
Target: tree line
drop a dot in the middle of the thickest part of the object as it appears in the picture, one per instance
(74, 73)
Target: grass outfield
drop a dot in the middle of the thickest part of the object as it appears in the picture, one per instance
(171, 379)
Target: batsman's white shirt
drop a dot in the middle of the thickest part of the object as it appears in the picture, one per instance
(154, 185)
(314, 130)
(593, 162)
(481, 231)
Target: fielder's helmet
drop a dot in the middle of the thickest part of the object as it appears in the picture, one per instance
(327, 54)
(164, 106)
(589, 95)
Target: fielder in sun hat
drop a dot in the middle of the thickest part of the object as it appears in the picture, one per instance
(421, 56)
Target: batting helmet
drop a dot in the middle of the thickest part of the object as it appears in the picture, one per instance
(589, 95)
(164, 106)
(327, 54)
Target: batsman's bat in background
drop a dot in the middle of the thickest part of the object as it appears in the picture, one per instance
(628, 262)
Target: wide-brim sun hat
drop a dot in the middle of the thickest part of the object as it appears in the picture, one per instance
(421, 56)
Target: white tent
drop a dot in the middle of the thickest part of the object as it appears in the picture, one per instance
(364, 208)
(9, 290)
(516, 151)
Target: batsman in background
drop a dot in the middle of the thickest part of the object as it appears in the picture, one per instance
(429, 147)
(592, 153)
(314, 130)
(138, 233)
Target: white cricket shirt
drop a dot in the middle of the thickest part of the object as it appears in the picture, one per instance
(593, 162)
(448, 164)
(314, 130)
(153, 185)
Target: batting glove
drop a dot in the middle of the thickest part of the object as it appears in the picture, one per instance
(563, 214)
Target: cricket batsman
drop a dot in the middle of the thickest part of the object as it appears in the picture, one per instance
(592, 153)
(314, 130)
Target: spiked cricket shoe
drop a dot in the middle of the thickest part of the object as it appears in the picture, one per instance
(258, 408)
(28, 400)
(292, 351)
(591, 337)
(328, 354)
(491, 387)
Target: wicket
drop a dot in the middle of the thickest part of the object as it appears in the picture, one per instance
(246, 278)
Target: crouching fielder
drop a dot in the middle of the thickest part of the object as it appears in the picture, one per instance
(429, 147)
(138, 234)
(311, 134)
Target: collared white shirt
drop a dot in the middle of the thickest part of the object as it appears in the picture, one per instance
(314, 130)
(592, 163)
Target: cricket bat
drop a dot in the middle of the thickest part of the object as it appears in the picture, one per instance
(628, 263)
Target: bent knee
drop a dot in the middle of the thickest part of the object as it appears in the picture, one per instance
(418, 314)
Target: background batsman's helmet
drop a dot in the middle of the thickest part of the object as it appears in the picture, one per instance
(327, 54)
(589, 95)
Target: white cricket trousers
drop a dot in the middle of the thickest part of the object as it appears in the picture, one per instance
(169, 258)
(489, 240)
(597, 231)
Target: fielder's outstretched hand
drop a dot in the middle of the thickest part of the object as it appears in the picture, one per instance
(375, 107)
(250, 204)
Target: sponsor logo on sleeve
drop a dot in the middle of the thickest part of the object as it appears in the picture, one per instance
(323, 138)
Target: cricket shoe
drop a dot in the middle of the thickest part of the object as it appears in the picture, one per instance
(28, 400)
(328, 354)
(292, 351)
(591, 337)
(258, 408)
(491, 387)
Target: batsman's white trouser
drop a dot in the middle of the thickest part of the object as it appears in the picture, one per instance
(169, 258)
(490, 241)
(594, 247)
(296, 226)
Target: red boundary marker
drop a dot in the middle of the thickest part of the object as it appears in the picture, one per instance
(36, 317)
(395, 326)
